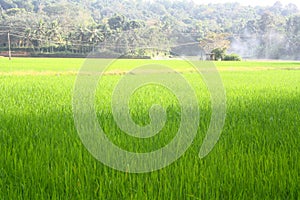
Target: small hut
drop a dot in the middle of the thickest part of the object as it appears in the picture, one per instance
(210, 56)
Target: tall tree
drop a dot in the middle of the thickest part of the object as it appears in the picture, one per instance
(95, 35)
(215, 41)
(293, 36)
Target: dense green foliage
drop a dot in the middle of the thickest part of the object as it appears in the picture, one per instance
(219, 53)
(257, 156)
(115, 27)
(232, 57)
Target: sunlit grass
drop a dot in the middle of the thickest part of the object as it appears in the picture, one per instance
(73, 65)
(257, 156)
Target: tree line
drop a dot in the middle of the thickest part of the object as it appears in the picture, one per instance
(123, 27)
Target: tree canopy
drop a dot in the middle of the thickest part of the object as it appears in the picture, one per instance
(122, 27)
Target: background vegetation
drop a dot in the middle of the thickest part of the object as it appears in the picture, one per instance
(122, 27)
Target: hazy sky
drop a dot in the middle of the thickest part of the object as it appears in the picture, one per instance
(250, 2)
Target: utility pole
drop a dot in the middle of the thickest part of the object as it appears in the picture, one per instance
(9, 47)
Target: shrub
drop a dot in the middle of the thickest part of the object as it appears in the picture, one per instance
(232, 57)
(219, 53)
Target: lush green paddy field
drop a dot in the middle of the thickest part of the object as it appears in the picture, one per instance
(42, 156)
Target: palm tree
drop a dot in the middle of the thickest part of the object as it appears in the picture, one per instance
(68, 38)
(80, 36)
(39, 34)
(28, 37)
(54, 35)
(95, 35)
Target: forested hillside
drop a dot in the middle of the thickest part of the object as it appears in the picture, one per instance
(124, 27)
